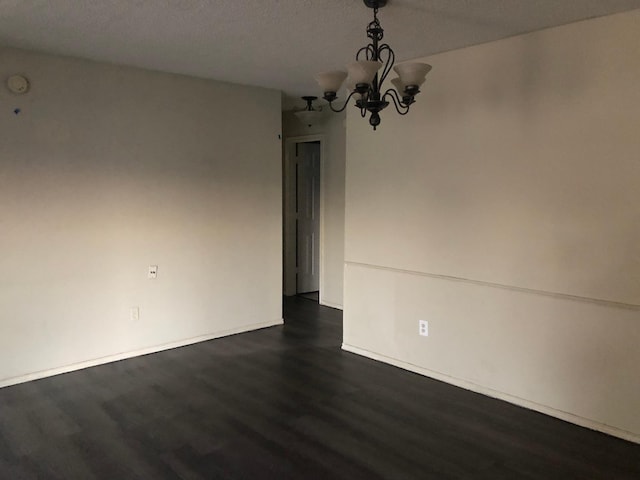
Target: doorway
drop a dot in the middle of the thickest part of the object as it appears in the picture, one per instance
(302, 207)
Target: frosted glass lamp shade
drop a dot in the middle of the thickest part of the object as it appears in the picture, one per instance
(331, 81)
(309, 117)
(363, 71)
(398, 84)
(349, 85)
(412, 73)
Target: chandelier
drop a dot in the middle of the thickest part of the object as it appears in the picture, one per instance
(365, 81)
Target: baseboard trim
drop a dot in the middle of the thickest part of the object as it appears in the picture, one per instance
(134, 353)
(331, 305)
(566, 416)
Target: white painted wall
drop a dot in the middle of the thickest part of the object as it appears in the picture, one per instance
(107, 170)
(333, 133)
(505, 210)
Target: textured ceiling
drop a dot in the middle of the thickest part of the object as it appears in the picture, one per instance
(271, 43)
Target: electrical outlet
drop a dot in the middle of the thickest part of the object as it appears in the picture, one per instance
(134, 314)
(423, 328)
(153, 271)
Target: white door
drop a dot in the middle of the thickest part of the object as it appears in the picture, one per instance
(308, 216)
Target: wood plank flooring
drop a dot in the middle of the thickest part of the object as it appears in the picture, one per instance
(284, 403)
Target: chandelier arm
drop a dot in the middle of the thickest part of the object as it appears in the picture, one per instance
(391, 60)
(368, 49)
(346, 102)
(400, 106)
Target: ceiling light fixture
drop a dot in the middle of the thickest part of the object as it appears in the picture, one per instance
(365, 82)
(309, 115)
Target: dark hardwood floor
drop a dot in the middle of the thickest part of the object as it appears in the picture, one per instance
(284, 403)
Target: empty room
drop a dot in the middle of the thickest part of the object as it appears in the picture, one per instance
(293, 239)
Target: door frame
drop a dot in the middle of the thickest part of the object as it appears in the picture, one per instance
(289, 233)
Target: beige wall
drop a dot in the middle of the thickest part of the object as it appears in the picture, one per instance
(505, 210)
(333, 131)
(108, 170)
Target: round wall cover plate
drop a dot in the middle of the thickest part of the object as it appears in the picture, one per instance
(18, 84)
